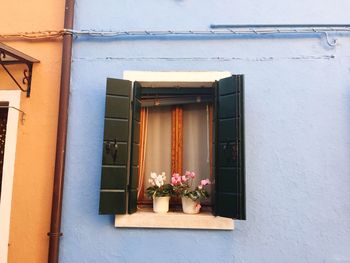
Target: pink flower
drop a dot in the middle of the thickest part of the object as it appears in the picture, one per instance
(190, 174)
(176, 179)
(173, 181)
(184, 178)
(205, 182)
(175, 175)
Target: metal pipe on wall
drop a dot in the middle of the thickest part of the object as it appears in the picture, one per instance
(255, 30)
(56, 210)
(280, 26)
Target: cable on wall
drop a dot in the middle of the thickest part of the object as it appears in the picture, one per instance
(35, 35)
(255, 30)
(227, 30)
(23, 114)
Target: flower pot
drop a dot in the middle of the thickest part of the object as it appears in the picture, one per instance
(161, 204)
(189, 206)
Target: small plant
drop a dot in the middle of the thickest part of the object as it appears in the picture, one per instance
(158, 186)
(183, 186)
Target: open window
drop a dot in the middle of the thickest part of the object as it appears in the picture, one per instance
(175, 135)
(210, 112)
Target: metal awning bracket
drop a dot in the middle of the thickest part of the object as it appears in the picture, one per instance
(10, 56)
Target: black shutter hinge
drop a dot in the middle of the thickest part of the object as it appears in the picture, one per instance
(112, 149)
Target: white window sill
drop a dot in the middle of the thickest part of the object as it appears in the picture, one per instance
(175, 220)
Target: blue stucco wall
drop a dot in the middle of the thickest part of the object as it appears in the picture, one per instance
(297, 131)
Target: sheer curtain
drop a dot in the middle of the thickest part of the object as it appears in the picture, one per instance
(157, 127)
(197, 142)
(158, 143)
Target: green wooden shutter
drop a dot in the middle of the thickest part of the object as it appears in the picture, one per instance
(230, 168)
(115, 147)
(134, 155)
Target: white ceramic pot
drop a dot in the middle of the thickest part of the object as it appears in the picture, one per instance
(189, 206)
(161, 204)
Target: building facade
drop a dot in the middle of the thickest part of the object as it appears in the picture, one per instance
(30, 142)
(297, 205)
(296, 129)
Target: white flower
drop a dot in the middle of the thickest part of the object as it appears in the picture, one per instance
(159, 180)
(158, 183)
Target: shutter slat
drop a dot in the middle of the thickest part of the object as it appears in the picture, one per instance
(115, 158)
(113, 178)
(108, 201)
(123, 107)
(230, 166)
(116, 129)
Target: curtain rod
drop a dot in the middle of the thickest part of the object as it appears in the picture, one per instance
(157, 102)
(339, 26)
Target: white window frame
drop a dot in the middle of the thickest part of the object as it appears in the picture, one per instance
(13, 98)
(144, 219)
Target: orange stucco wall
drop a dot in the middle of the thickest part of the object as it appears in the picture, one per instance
(36, 140)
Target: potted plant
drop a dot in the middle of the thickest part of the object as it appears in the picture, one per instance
(190, 197)
(159, 192)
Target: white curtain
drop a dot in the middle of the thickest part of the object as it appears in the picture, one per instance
(196, 147)
(195, 144)
(158, 150)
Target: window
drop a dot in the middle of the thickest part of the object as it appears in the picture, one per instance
(120, 167)
(175, 136)
(8, 99)
(3, 123)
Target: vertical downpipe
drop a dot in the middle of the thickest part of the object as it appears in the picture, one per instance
(55, 228)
